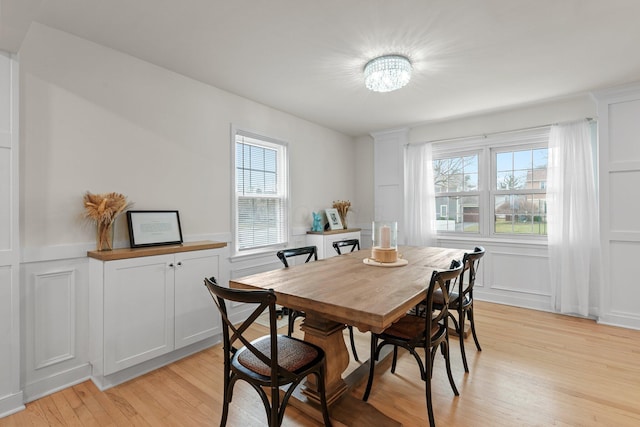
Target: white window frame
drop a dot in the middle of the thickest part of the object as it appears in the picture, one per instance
(477, 193)
(495, 150)
(485, 147)
(282, 190)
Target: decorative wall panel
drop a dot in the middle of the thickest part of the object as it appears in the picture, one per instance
(54, 318)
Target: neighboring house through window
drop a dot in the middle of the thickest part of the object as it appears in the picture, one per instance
(260, 208)
(493, 185)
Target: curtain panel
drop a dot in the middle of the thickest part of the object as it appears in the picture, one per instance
(419, 196)
(573, 223)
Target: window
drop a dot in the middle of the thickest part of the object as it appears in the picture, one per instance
(260, 178)
(457, 196)
(494, 185)
(519, 194)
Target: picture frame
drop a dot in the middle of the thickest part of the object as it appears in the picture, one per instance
(154, 228)
(333, 219)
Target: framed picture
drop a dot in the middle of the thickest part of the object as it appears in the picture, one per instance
(333, 218)
(154, 228)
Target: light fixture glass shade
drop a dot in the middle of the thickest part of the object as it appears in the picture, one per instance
(387, 73)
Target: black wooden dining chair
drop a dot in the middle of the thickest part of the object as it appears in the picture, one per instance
(413, 332)
(461, 299)
(309, 252)
(268, 362)
(354, 244)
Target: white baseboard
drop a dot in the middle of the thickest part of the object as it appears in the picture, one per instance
(11, 404)
(57, 382)
(621, 320)
(104, 382)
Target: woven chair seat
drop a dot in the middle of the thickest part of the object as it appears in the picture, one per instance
(453, 299)
(293, 355)
(410, 328)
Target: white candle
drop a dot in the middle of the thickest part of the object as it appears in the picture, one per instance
(385, 237)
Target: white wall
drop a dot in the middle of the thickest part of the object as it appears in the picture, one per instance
(520, 117)
(363, 202)
(94, 119)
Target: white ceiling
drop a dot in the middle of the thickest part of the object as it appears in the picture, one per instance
(306, 57)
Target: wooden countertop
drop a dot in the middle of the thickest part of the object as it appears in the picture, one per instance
(344, 230)
(125, 253)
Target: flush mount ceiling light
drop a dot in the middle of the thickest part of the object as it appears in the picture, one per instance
(387, 73)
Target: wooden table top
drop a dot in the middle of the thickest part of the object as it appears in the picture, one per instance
(345, 290)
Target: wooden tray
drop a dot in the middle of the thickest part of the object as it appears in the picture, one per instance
(399, 263)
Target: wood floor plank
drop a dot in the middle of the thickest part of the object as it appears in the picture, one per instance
(67, 413)
(536, 369)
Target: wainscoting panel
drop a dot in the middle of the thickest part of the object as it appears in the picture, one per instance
(514, 273)
(246, 266)
(623, 130)
(55, 325)
(54, 318)
(622, 185)
(7, 352)
(623, 290)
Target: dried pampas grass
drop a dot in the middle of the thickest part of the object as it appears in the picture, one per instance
(103, 209)
(342, 206)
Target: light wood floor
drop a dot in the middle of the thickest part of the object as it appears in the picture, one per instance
(536, 369)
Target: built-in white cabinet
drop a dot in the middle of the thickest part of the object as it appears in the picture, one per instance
(149, 302)
(196, 317)
(138, 317)
(324, 240)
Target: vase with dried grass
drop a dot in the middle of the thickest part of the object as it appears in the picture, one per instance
(103, 209)
(342, 206)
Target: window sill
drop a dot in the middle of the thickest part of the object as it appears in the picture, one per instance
(253, 255)
(493, 240)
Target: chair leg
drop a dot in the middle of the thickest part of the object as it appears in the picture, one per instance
(395, 359)
(372, 364)
(228, 395)
(447, 361)
(432, 421)
(427, 384)
(461, 339)
(323, 397)
(353, 343)
(225, 409)
(274, 419)
(473, 328)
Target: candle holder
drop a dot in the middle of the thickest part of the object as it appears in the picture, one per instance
(385, 241)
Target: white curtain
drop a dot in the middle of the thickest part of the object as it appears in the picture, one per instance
(419, 196)
(573, 230)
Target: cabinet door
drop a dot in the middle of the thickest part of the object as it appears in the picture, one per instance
(197, 316)
(138, 310)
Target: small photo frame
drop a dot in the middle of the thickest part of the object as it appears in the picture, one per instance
(333, 218)
(154, 228)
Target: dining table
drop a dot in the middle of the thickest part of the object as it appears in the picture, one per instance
(350, 289)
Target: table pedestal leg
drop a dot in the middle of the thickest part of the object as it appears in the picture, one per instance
(345, 409)
(327, 335)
